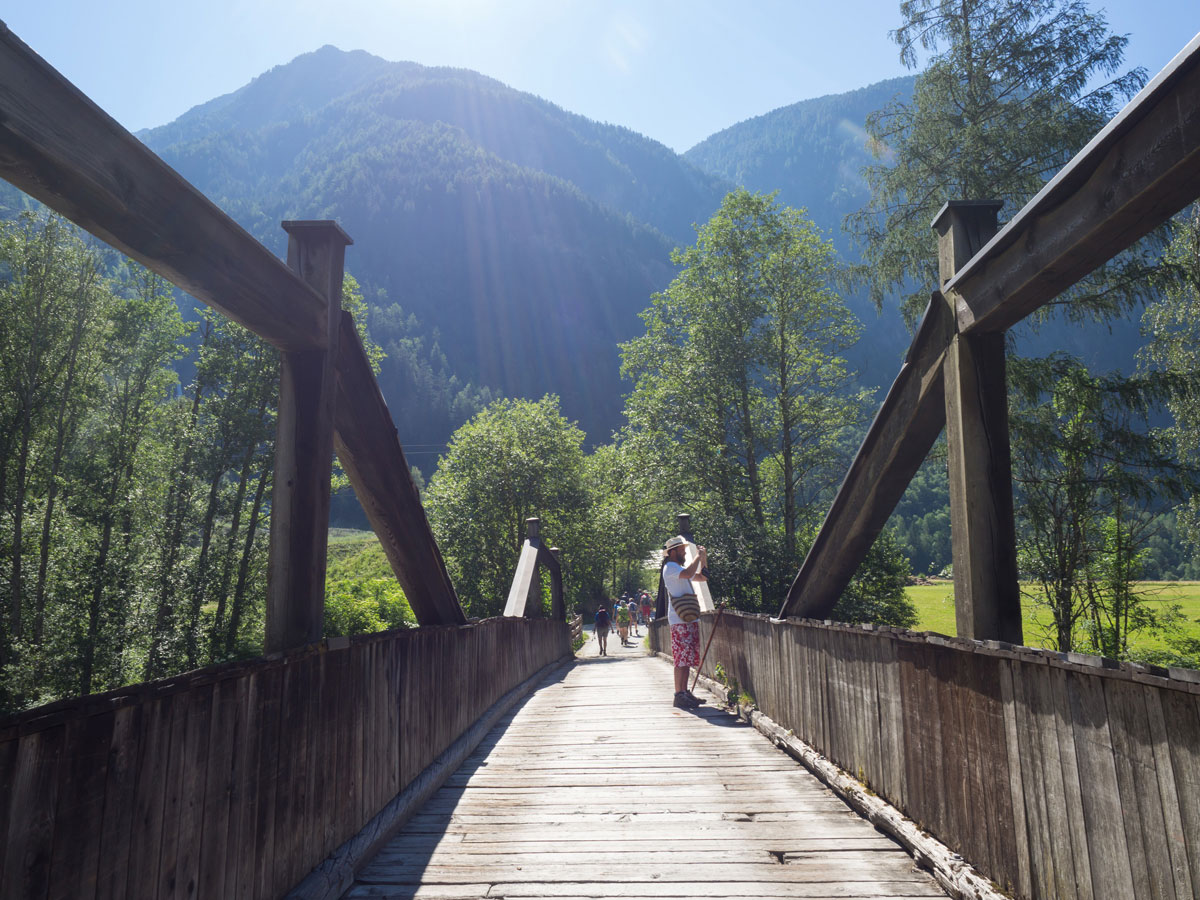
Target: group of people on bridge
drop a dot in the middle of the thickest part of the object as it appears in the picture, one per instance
(683, 614)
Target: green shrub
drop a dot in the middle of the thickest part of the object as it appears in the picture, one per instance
(364, 606)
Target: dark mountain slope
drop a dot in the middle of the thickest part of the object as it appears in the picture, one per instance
(812, 152)
(616, 167)
(510, 228)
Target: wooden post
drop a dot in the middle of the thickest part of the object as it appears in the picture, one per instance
(533, 604)
(304, 450)
(987, 596)
(558, 605)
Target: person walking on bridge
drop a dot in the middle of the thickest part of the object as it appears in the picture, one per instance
(685, 636)
(623, 622)
(602, 625)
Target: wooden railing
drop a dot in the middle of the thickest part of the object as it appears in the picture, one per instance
(236, 781)
(1142, 168)
(576, 628)
(239, 780)
(1055, 775)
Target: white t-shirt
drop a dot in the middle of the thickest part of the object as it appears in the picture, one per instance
(676, 587)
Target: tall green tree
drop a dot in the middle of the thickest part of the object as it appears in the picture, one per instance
(514, 460)
(741, 397)
(1172, 325)
(1087, 473)
(1010, 91)
(52, 313)
(627, 523)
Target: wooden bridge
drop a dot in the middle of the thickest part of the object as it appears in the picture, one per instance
(996, 766)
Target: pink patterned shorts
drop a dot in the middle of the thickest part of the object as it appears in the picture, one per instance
(685, 644)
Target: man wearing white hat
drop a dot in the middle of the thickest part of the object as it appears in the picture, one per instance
(685, 636)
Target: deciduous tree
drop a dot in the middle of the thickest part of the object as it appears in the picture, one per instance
(741, 395)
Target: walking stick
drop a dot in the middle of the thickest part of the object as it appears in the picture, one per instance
(716, 622)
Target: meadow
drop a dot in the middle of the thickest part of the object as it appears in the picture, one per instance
(935, 611)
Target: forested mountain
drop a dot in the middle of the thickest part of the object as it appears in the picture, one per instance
(513, 243)
(519, 240)
(812, 152)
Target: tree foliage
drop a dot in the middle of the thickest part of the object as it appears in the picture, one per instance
(743, 406)
(133, 508)
(1172, 324)
(1088, 475)
(1009, 93)
(515, 460)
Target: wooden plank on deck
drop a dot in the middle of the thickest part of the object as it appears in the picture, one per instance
(596, 786)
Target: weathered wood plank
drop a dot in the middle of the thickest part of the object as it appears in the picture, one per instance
(1181, 717)
(369, 450)
(119, 802)
(27, 852)
(9, 744)
(1176, 839)
(82, 778)
(907, 424)
(273, 765)
(1141, 807)
(1112, 873)
(219, 788)
(154, 750)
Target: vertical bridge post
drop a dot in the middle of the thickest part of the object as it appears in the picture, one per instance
(986, 593)
(525, 594)
(683, 525)
(304, 450)
(533, 597)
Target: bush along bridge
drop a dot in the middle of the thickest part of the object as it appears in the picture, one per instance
(1003, 770)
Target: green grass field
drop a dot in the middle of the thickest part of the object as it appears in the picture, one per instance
(935, 611)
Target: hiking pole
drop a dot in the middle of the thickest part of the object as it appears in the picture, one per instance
(716, 622)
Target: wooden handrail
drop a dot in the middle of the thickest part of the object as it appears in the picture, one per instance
(60, 147)
(1137, 172)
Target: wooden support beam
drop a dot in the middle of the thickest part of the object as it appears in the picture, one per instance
(304, 451)
(58, 146)
(525, 594)
(1142, 168)
(369, 450)
(987, 596)
(907, 424)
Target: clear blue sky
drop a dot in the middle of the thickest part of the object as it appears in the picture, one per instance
(675, 70)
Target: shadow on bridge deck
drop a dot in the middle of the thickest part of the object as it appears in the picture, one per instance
(595, 786)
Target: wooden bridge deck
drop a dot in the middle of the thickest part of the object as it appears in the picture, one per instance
(596, 786)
